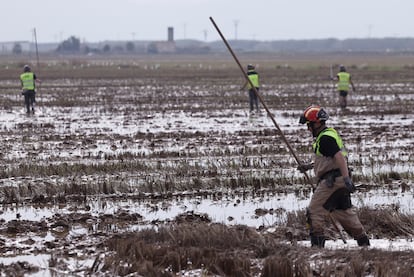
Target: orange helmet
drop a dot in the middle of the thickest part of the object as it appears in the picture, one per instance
(313, 114)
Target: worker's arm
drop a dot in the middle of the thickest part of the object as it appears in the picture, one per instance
(244, 86)
(341, 162)
(343, 167)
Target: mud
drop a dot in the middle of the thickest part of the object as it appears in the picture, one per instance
(115, 142)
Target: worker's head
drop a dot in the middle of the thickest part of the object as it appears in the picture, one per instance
(26, 68)
(315, 117)
(250, 67)
(342, 68)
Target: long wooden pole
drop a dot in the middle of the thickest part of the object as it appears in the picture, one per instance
(261, 100)
(37, 60)
(37, 50)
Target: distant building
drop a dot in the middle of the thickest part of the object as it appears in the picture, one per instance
(164, 47)
(7, 47)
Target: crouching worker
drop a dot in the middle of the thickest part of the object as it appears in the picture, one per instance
(333, 192)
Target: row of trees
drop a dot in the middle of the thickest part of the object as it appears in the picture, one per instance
(73, 45)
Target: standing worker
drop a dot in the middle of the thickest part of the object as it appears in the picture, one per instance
(254, 79)
(332, 196)
(344, 80)
(28, 81)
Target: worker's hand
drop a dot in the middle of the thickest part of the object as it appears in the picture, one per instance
(349, 184)
(304, 167)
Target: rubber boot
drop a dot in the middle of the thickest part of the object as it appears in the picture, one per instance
(363, 241)
(318, 241)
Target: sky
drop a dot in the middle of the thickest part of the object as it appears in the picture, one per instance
(100, 20)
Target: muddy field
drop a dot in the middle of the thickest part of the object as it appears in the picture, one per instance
(154, 166)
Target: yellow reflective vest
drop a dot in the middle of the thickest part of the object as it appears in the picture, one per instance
(28, 80)
(254, 78)
(332, 133)
(343, 81)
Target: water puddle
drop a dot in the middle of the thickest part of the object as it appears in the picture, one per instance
(266, 210)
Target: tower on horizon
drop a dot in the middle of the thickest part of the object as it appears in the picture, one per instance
(170, 34)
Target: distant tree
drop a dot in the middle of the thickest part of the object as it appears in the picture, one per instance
(17, 49)
(152, 48)
(130, 47)
(72, 44)
(87, 49)
(106, 48)
(118, 49)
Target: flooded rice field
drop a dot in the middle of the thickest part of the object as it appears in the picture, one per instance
(155, 167)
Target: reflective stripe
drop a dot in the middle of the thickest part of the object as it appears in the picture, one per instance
(27, 79)
(343, 81)
(332, 133)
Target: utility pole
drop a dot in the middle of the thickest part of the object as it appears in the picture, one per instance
(236, 23)
(205, 34)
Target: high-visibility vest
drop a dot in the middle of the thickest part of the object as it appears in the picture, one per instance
(254, 78)
(343, 81)
(332, 133)
(28, 81)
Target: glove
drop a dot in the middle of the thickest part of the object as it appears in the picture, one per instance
(349, 185)
(304, 167)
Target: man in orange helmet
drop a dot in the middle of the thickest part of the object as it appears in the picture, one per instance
(333, 192)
